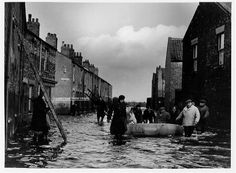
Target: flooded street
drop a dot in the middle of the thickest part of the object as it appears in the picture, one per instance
(91, 146)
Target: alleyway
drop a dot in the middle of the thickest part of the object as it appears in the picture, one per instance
(91, 146)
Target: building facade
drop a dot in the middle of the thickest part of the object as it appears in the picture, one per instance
(76, 79)
(173, 71)
(43, 57)
(158, 88)
(15, 23)
(207, 60)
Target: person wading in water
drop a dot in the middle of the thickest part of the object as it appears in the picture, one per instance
(191, 116)
(119, 121)
(39, 123)
(101, 110)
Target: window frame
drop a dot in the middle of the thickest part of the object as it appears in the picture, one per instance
(195, 57)
(220, 48)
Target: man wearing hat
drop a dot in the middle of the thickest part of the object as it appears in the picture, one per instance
(163, 116)
(191, 116)
(204, 114)
(148, 115)
(119, 122)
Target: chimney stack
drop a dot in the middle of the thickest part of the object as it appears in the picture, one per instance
(33, 25)
(52, 40)
(29, 17)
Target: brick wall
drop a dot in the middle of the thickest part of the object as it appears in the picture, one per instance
(15, 21)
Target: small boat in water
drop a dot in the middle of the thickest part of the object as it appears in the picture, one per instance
(154, 130)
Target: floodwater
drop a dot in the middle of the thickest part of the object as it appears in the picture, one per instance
(91, 146)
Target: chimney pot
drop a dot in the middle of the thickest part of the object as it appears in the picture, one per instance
(29, 19)
(80, 54)
(37, 20)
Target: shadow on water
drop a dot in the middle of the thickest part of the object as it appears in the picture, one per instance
(23, 153)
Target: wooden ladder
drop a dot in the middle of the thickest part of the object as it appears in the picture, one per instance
(47, 99)
(39, 80)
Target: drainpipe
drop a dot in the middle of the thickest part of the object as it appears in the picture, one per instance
(7, 68)
(40, 61)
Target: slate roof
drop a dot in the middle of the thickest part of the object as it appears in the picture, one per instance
(226, 6)
(175, 48)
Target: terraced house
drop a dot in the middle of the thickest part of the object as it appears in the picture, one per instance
(207, 59)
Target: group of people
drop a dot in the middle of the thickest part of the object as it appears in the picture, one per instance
(191, 116)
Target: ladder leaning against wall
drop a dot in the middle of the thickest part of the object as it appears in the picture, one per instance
(26, 48)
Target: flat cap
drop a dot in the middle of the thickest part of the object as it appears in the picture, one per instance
(202, 101)
(121, 97)
(162, 108)
(187, 101)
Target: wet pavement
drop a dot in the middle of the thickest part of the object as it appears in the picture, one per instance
(91, 146)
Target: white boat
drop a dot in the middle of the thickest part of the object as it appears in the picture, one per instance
(154, 129)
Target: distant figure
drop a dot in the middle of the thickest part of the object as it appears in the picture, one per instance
(119, 121)
(174, 114)
(204, 114)
(138, 114)
(101, 108)
(131, 117)
(148, 115)
(191, 116)
(39, 123)
(163, 116)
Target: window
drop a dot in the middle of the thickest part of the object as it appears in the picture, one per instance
(30, 98)
(220, 46)
(45, 61)
(73, 73)
(195, 57)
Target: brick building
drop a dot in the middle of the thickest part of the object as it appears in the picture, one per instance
(15, 20)
(173, 71)
(61, 93)
(74, 80)
(207, 59)
(158, 88)
(43, 55)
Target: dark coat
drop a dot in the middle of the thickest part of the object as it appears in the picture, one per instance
(138, 115)
(174, 115)
(163, 117)
(119, 121)
(101, 107)
(148, 115)
(39, 121)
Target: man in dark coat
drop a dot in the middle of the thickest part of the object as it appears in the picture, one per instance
(204, 114)
(163, 116)
(39, 122)
(138, 114)
(119, 121)
(174, 113)
(101, 108)
(148, 115)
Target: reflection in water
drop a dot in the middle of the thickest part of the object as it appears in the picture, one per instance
(91, 146)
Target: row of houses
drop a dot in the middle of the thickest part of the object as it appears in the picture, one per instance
(66, 77)
(199, 65)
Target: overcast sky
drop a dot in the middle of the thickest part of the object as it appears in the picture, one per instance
(126, 41)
